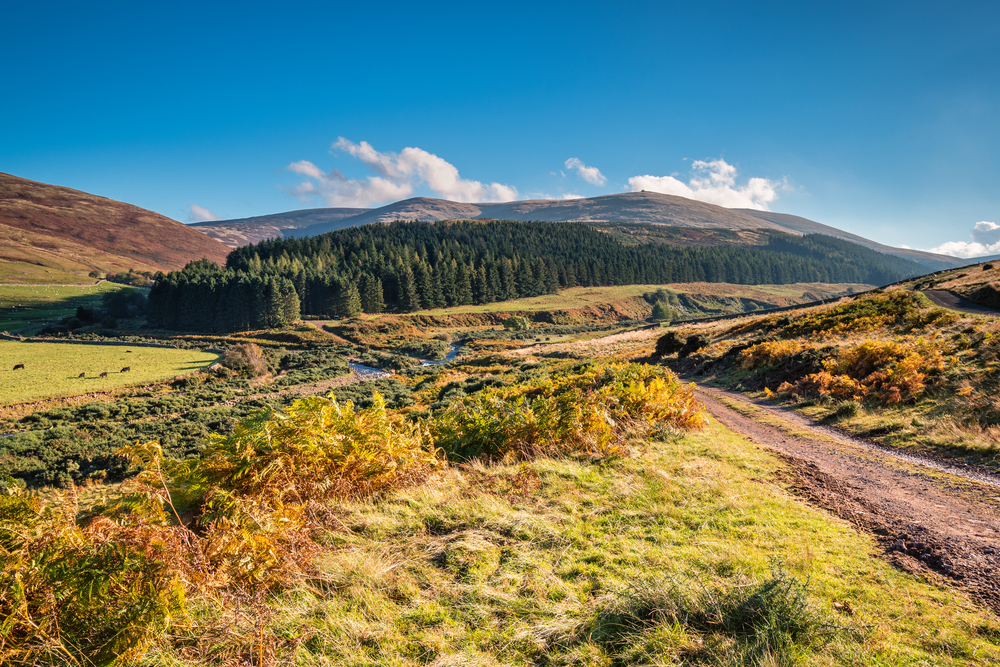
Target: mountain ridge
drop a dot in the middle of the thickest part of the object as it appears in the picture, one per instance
(637, 207)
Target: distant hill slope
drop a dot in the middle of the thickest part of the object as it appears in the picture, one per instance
(56, 230)
(642, 207)
(806, 226)
(244, 231)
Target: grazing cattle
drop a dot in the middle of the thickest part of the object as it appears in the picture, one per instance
(125, 370)
(128, 351)
(82, 375)
(18, 366)
(103, 375)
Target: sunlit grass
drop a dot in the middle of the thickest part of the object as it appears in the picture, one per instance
(517, 564)
(53, 369)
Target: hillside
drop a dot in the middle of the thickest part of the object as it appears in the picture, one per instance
(409, 266)
(636, 207)
(244, 231)
(60, 233)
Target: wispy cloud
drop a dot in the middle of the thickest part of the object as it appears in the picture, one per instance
(713, 182)
(985, 241)
(396, 176)
(200, 214)
(592, 175)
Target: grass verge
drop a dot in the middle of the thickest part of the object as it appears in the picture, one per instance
(689, 554)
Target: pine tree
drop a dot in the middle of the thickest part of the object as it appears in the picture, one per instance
(349, 304)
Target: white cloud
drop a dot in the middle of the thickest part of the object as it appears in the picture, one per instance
(985, 241)
(592, 175)
(200, 214)
(397, 177)
(713, 182)
(987, 233)
(571, 196)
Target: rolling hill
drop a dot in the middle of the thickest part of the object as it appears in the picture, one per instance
(640, 207)
(50, 233)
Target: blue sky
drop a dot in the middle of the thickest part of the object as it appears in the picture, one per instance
(878, 118)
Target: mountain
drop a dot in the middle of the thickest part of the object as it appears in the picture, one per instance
(48, 231)
(805, 226)
(244, 231)
(640, 207)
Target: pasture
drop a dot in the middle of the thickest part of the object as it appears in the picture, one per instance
(23, 306)
(53, 369)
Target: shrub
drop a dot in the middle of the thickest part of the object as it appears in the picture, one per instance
(517, 323)
(694, 343)
(247, 359)
(69, 595)
(667, 344)
(890, 371)
(317, 448)
(588, 411)
(769, 353)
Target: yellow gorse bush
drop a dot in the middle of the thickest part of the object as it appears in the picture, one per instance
(588, 411)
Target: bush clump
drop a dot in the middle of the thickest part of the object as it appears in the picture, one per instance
(246, 359)
(93, 595)
(587, 412)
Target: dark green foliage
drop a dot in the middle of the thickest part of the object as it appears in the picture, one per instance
(424, 348)
(409, 266)
(395, 393)
(667, 344)
(662, 312)
(691, 345)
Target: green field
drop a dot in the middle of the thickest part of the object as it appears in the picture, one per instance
(52, 369)
(582, 297)
(24, 306)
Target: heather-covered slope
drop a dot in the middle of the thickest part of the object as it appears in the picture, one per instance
(72, 232)
(636, 207)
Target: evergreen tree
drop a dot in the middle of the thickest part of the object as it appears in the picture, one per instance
(349, 304)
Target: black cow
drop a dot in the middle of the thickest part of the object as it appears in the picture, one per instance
(125, 370)
(18, 366)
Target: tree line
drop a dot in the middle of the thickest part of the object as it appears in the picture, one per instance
(408, 266)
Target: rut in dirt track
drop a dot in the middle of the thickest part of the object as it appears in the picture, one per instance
(924, 518)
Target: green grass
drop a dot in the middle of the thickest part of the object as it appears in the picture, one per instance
(32, 305)
(43, 272)
(691, 553)
(52, 369)
(582, 297)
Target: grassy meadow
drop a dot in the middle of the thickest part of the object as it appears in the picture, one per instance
(633, 560)
(52, 369)
(24, 306)
(582, 297)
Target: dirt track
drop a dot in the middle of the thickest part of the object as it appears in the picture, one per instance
(947, 299)
(927, 516)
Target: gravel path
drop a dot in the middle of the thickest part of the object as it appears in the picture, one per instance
(946, 299)
(926, 515)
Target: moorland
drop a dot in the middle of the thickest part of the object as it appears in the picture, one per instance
(479, 442)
